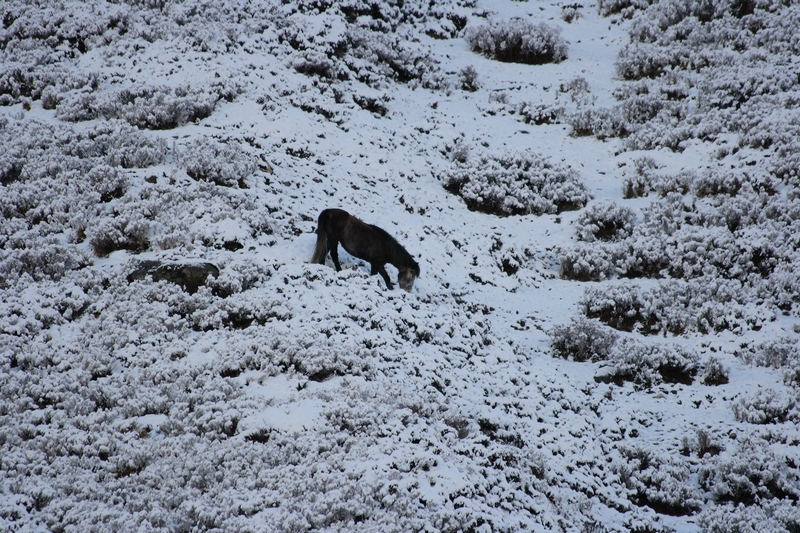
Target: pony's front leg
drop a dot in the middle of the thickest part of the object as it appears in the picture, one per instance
(335, 255)
(380, 269)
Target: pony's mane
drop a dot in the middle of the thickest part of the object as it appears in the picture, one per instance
(400, 255)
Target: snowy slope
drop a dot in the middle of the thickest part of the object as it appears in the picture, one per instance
(627, 365)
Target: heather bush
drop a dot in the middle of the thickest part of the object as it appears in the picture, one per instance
(680, 84)
(468, 79)
(600, 122)
(647, 365)
(639, 184)
(539, 114)
(570, 13)
(703, 305)
(587, 262)
(515, 184)
(582, 340)
(626, 8)
(605, 222)
(715, 373)
(722, 231)
(335, 52)
(705, 444)
(754, 472)
(783, 352)
(148, 107)
(58, 181)
(518, 41)
(661, 483)
(770, 516)
(221, 163)
(767, 406)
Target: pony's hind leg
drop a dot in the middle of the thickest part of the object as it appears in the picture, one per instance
(334, 249)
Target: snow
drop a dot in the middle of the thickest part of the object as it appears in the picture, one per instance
(546, 373)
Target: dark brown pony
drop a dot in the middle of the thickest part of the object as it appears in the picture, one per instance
(366, 242)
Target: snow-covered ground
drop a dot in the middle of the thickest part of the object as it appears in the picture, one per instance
(604, 335)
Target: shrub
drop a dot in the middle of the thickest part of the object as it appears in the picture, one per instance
(468, 79)
(639, 185)
(119, 233)
(649, 365)
(605, 222)
(515, 184)
(703, 445)
(518, 41)
(40, 258)
(767, 406)
(600, 122)
(570, 13)
(663, 484)
(704, 305)
(754, 471)
(539, 114)
(582, 340)
(770, 516)
(145, 106)
(371, 56)
(218, 162)
(715, 373)
(587, 262)
(626, 8)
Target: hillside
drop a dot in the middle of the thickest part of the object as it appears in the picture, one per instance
(604, 201)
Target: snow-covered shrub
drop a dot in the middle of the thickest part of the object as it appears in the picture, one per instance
(767, 406)
(714, 372)
(119, 233)
(237, 276)
(640, 184)
(570, 13)
(391, 57)
(626, 8)
(579, 91)
(582, 340)
(468, 79)
(737, 80)
(587, 262)
(600, 122)
(539, 114)
(38, 45)
(221, 163)
(661, 483)
(752, 472)
(516, 184)
(770, 516)
(58, 182)
(144, 106)
(704, 305)
(30, 254)
(647, 365)
(605, 222)
(335, 51)
(518, 41)
(782, 352)
(704, 444)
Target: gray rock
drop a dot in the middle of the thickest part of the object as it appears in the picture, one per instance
(190, 276)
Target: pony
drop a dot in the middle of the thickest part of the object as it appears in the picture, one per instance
(366, 242)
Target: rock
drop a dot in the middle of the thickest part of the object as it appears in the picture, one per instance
(606, 374)
(190, 276)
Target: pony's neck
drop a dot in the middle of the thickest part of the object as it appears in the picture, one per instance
(400, 257)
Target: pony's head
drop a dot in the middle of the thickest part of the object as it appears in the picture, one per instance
(406, 276)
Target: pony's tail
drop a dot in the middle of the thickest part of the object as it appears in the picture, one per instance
(322, 247)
